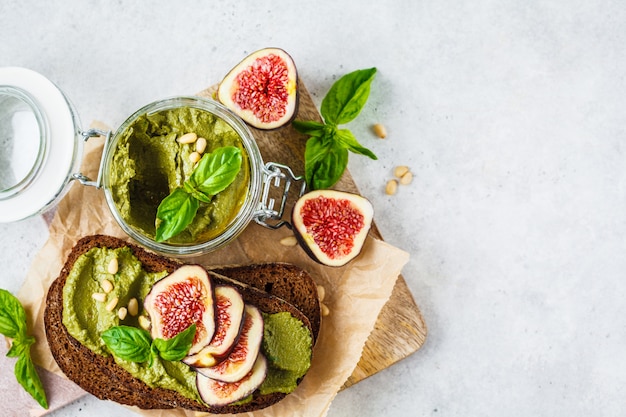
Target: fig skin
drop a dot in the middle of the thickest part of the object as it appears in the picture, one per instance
(218, 393)
(306, 237)
(229, 324)
(205, 324)
(245, 352)
(231, 85)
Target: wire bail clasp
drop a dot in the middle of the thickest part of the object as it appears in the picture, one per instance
(274, 175)
(83, 179)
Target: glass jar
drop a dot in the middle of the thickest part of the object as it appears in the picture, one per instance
(42, 145)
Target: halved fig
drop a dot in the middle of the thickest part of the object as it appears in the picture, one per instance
(218, 393)
(229, 310)
(179, 300)
(262, 89)
(241, 359)
(332, 225)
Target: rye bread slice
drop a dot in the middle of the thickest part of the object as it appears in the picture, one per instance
(102, 377)
(283, 280)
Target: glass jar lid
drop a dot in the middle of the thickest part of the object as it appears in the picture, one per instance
(38, 146)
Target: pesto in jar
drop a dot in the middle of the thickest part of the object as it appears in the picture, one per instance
(149, 163)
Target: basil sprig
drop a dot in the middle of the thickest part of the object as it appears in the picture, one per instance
(13, 325)
(129, 343)
(135, 345)
(177, 347)
(326, 151)
(214, 172)
(175, 213)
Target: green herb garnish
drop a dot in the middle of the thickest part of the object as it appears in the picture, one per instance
(326, 152)
(135, 345)
(13, 325)
(129, 343)
(175, 213)
(214, 172)
(176, 348)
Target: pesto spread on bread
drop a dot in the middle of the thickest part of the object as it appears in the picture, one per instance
(97, 297)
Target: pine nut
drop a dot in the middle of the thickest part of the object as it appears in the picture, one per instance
(188, 138)
(321, 292)
(400, 170)
(201, 145)
(289, 241)
(99, 296)
(380, 130)
(106, 285)
(406, 178)
(112, 304)
(133, 307)
(113, 266)
(144, 322)
(194, 157)
(325, 309)
(392, 187)
(121, 313)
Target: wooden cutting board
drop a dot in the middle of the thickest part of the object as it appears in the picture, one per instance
(400, 329)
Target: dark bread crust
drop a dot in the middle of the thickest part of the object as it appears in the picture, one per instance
(102, 377)
(283, 280)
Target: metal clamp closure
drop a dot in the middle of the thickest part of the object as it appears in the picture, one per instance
(274, 174)
(84, 180)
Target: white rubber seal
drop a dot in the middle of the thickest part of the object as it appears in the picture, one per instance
(63, 147)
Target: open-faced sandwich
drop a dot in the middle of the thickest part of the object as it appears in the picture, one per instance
(140, 329)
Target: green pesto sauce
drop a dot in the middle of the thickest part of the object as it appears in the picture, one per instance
(86, 318)
(148, 164)
(287, 346)
(286, 342)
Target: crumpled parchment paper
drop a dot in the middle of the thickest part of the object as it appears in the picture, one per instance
(355, 293)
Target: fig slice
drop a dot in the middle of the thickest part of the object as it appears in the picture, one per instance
(241, 359)
(332, 225)
(218, 393)
(229, 311)
(179, 300)
(262, 89)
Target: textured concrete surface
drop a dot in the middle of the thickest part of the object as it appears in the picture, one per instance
(511, 117)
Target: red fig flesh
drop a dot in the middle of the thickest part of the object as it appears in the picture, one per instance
(229, 310)
(179, 300)
(262, 89)
(332, 225)
(244, 354)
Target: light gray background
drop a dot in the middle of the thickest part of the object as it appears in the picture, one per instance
(511, 114)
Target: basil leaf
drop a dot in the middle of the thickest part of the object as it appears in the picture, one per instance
(174, 214)
(197, 194)
(20, 346)
(128, 343)
(347, 96)
(325, 162)
(216, 170)
(27, 376)
(13, 325)
(310, 128)
(347, 139)
(313, 153)
(154, 354)
(177, 347)
(12, 315)
(16, 349)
